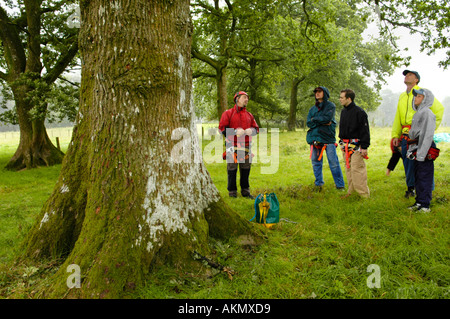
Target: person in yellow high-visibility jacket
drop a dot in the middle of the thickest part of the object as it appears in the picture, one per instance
(403, 120)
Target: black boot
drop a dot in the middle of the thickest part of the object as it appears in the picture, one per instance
(232, 187)
(410, 192)
(245, 185)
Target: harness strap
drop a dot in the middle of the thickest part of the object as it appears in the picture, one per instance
(405, 136)
(349, 150)
(320, 149)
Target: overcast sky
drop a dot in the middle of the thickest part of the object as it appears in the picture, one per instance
(432, 76)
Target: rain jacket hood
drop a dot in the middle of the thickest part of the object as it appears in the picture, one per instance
(326, 93)
(427, 102)
(405, 113)
(423, 126)
(321, 122)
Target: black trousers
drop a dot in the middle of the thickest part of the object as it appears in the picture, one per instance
(424, 174)
(244, 170)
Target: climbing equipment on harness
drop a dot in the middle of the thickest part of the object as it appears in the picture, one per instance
(405, 135)
(239, 154)
(320, 149)
(349, 146)
(432, 154)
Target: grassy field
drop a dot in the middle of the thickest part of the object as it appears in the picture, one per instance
(321, 248)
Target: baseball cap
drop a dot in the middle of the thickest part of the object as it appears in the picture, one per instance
(414, 72)
(419, 91)
(317, 89)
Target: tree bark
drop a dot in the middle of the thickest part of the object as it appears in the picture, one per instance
(291, 124)
(222, 100)
(220, 76)
(292, 120)
(128, 198)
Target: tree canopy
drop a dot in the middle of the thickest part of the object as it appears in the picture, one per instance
(429, 18)
(277, 50)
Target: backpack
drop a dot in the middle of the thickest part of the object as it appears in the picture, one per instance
(267, 210)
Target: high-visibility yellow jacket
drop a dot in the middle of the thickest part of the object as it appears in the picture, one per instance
(405, 112)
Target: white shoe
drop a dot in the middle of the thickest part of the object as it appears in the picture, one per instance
(424, 210)
(414, 207)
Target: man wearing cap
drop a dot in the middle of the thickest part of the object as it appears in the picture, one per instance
(238, 126)
(321, 136)
(403, 120)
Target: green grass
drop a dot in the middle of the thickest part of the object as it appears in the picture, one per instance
(321, 250)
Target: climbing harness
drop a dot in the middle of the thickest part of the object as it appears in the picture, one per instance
(239, 154)
(320, 149)
(432, 154)
(349, 146)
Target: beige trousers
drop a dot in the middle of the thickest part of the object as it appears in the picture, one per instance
(357, 175)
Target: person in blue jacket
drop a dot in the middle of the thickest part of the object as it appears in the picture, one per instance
(321, 137)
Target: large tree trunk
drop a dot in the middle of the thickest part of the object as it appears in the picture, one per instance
(125, 202)
(35, 147)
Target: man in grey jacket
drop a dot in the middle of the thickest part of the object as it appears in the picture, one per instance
(421, 143)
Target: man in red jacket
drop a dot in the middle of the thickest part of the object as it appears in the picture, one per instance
(238, 126)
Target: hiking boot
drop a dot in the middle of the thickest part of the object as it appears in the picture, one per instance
(317, 188)
(249, 196)
(424, 210)
(345, 196)
(410, 193)
(415, 207)
(232, 194)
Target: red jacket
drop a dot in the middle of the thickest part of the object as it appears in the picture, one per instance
(235, 118)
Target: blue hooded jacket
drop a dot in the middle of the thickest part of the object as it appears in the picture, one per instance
(321, 122)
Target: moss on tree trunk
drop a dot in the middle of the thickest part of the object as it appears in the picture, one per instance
(132, 194)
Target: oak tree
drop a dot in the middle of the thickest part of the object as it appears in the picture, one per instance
(36, 49)
(130, 197)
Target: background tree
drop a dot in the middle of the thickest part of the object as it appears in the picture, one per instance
(214, 29)
(217, 28)
(256, 66)
(37, 47)
(133, 193)
(384, 115)
(429, 18)
(305, 44)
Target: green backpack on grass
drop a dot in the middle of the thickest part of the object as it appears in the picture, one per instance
(267, 210)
